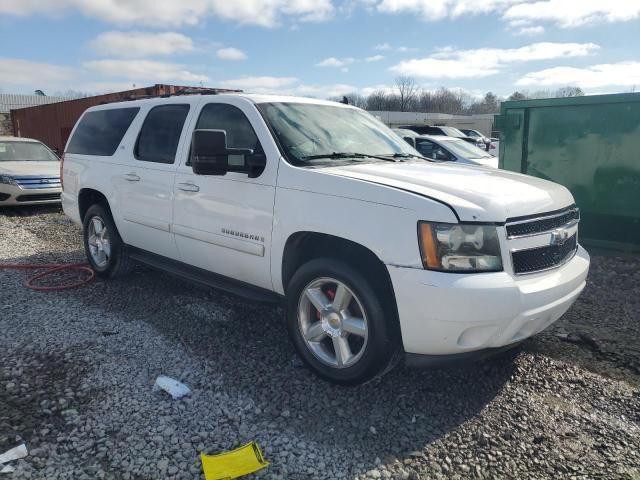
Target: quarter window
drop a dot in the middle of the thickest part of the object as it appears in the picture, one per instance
(100, 132)
(160, 134)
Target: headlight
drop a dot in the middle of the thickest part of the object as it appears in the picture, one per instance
(455, 247)
(7, 180)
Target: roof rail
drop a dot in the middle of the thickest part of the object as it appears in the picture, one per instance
(200, 91)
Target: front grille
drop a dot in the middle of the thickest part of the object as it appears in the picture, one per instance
(38, 197)
(538, 225)
(543, 258)
(4, 196)
(29, 183)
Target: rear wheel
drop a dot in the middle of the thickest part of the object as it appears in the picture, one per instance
(105, 250)
(338, 323)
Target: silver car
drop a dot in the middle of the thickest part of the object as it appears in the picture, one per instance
(29, 173)
(448, 149)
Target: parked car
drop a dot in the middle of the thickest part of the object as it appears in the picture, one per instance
(440, 131)
(448, 149)
(479, 137)
(29, 173)
(373, 252)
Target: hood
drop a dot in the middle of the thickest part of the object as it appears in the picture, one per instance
(476, 194)
(30, 168)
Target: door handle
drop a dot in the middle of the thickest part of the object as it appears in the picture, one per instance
(131, 177)
(189, 187)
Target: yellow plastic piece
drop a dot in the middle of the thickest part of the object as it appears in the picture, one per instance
(234, 464)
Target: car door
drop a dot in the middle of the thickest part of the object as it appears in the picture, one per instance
(146, 185)
(223, 223)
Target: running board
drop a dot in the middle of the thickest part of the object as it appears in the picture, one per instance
(203, 277)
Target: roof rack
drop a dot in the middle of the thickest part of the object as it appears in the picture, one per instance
(201, 91)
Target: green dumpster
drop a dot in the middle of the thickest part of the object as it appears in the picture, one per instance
(591, 145)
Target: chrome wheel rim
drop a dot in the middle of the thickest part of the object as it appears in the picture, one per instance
(332, 322)
(99, 243)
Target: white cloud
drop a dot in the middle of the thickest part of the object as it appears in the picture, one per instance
(264, 84)
(564, 13)
(141, 44)
(483, 62)
(607, 74)
(267, 13)
(230, 53)
(537, 30)
(386, 47)
(383, 47)
(572, 13)
(290, 86)
(15, 71)
(335, 62)
(144, 70)
(433, 10)
(374, 58)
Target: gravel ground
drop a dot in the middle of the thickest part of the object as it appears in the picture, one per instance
(77, 367)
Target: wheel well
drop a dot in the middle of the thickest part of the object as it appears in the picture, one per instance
(88, 197)
(304, 246)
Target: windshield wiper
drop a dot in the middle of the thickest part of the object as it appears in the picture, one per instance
(408, 155)
(338, 155)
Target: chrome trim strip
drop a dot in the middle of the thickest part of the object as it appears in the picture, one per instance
(569, 224)
(224, 241)
(544, 217)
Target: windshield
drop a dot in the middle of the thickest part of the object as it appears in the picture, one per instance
(471, 133)
(25, 151)
(460, 148)
(310, 130)
(452, 132)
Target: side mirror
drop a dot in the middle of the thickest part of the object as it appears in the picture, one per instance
(211, 156)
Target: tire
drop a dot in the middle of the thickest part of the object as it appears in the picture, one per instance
(105, 250)
(345, 345)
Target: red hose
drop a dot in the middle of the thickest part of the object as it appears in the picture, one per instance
(49, 269)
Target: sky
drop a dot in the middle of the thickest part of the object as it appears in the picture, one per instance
(320, 48)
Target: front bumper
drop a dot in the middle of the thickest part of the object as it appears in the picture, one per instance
(13, 195)
(447, 313)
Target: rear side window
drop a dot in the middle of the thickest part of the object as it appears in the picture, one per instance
(160, 134)
(100, 132)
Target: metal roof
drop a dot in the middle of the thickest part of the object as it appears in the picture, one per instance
(9, 101)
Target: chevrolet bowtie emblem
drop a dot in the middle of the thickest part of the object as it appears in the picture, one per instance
(559, 236)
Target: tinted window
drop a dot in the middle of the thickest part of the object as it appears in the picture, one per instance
(220, 116)
(432, 150)
(160, 133)
(425, 147)
(100, 132)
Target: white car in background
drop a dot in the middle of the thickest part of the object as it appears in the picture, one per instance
(29, 173)
(448, 149)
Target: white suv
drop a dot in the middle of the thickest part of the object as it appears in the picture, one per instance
(375, 251)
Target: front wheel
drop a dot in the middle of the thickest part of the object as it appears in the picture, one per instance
(338, 323)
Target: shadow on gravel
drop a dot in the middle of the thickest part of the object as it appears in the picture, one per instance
(30, 210)
(393, 417)
(41, 395)
(607, 317)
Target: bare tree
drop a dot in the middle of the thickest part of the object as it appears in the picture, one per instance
(407, 91)
(517, 96)
(569, 92)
